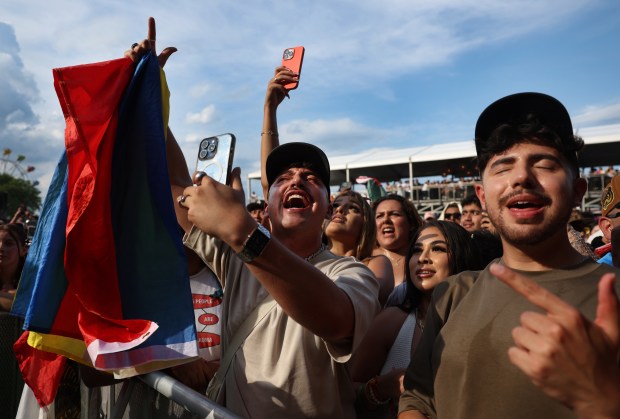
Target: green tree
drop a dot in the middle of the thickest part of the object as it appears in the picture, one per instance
(17, 192)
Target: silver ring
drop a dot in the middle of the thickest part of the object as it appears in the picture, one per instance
(181, 200)
(198, 177)
(135, 44)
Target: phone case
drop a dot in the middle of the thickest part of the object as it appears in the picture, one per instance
(293, 58)
(215, 157)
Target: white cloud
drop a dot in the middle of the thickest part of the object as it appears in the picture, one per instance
(601, 114)
(22, 130)
(200, 90)
(338, 135)
(227, 52)
(205, 116)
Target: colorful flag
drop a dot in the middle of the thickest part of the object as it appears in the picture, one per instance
(374, 187)
(106, 279)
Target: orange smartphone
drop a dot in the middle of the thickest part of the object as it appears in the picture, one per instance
(293, 58)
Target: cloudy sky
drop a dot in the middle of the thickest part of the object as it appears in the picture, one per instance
(388, 73)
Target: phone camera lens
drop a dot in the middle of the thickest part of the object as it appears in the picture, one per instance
(211, 147)
(288, 54)
(203, 154)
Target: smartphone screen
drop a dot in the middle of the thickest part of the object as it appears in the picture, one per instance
(293, 58)
(215, 157)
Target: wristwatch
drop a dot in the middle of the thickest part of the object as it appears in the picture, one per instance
(254, 244)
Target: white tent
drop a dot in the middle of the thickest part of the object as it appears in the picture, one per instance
(602, 148)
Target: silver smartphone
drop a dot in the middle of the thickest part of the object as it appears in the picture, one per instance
(215, 157)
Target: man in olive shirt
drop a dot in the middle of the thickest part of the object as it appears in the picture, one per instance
(550, 349)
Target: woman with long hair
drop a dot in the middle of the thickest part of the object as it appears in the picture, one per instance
(351, 231)
(396, 221)
(13, 252)
(439, 249)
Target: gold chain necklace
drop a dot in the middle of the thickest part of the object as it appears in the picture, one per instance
(395, 261)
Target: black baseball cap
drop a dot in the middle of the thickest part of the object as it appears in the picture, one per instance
(515, 107)
(297, 154)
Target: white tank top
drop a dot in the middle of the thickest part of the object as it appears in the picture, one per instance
(400, 352)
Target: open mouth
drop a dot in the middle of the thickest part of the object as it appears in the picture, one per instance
(388, 230)
(526, 204)
(296, 200)
(424, 273)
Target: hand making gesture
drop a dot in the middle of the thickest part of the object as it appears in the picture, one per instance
(570, 358)
(139, 49)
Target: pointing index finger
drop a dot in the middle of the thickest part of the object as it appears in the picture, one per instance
(533, 292)
(152, 35)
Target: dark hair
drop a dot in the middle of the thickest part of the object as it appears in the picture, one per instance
(471, 199)
(367, 239)
(462, 256)
(256, 206)
(528, 130)
(17, 232)
(411, 213)
(489, 246)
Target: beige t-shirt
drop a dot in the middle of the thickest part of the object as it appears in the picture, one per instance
(282, 369)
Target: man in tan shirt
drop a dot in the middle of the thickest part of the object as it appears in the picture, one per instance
(293, 363)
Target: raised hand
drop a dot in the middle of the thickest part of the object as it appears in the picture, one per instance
(140, 48)
(570, 358)
(218, 209)
(275, 88)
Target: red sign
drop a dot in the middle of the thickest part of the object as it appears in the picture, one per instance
(205, 301)
(206, 339)
(208, 319)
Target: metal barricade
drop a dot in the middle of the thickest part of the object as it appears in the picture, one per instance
(193, 401)
(153, 395)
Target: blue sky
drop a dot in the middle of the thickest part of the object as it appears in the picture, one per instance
(389, 73)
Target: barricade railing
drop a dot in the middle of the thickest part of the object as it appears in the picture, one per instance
(193, 401)
(169, 387)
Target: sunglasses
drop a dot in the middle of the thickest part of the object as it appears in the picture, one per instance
(456, 216)
(616, 215)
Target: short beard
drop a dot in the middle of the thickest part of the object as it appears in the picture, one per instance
(520, 235)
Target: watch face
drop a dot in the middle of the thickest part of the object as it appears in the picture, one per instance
(255, 244)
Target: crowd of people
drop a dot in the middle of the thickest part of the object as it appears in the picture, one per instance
(448, 187)
(453, 361)
(343, 308)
